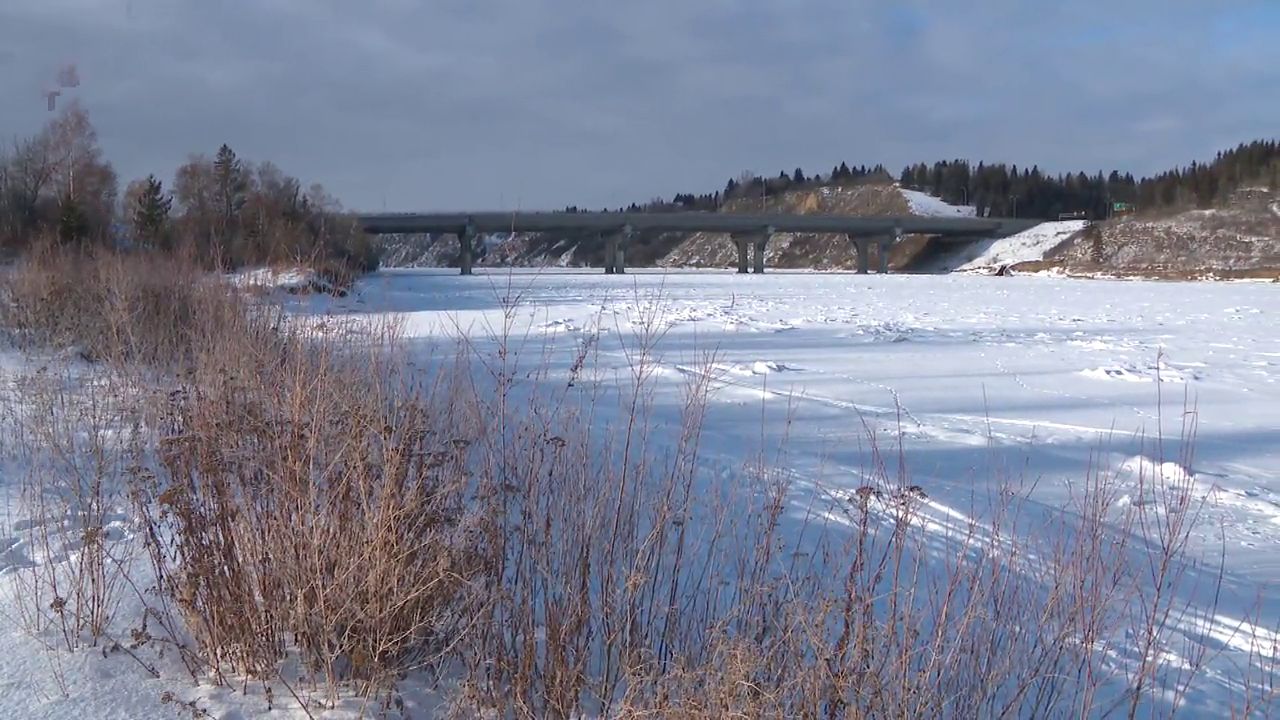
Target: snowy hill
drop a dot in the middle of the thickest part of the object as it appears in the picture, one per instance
(1028, 246)
(926, 205)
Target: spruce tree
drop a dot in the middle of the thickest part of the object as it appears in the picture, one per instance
(73, 223)
(231, 185)
(151, 213)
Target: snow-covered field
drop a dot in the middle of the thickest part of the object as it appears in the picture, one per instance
(978, 380)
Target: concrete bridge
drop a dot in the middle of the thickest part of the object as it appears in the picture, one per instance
(750, 233)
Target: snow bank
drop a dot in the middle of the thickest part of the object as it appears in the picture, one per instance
(930, 206)
(295, 281)
(1026, 246)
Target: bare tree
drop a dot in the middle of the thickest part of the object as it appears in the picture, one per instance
(81, 177)
(195, 191)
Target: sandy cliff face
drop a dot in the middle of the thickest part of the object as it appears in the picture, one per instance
(802, 250)
(1242, 236)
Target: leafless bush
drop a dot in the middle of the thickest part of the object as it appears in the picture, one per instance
(146, 309)
(72, 446)
(310, 495)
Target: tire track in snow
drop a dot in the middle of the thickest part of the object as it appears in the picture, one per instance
(929, 422)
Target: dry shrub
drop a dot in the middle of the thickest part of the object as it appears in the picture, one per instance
(294, 486)
(632, 582)
(305, 495)
(72, 436)
(146, 308)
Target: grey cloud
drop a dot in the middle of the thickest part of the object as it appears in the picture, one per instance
(457, 103)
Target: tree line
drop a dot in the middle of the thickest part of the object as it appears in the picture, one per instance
(1005, 190)
(225, 211)
(1001, 189)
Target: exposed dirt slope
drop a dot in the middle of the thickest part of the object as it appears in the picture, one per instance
(785, 250)
(803, 250)
(1240, 237)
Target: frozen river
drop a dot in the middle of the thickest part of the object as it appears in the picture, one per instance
(975, 375)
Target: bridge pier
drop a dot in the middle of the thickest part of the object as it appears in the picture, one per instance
(883, 245)
(466, 249)
(615, 251)
(741, 242)
(754, 243)
(863, 248)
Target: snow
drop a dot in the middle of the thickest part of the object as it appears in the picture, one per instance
(288, 280)
(977, 378)
(1032, 244)
(930, 206)
(1029, 245)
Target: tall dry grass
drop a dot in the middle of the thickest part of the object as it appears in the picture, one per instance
(556, 545)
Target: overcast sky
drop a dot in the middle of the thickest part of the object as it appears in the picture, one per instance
(471, 104)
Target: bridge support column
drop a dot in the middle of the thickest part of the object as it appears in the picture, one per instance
(863, 247)
(466, 244)
(610, 255)
(883, 247)
(759, 243)
(615, 251)
(741, 242)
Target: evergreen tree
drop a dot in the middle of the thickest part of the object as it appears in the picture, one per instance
(151, 213)
(232, 189)
(73, 222)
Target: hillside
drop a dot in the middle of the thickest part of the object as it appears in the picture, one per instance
(786, 250)
(797, 250)
(1028, 246)
(1239, 237)
(522, 250)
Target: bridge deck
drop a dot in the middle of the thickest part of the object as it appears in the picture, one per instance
(606, 222)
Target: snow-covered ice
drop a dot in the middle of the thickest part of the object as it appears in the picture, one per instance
(978, 379)
(1036, 373)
